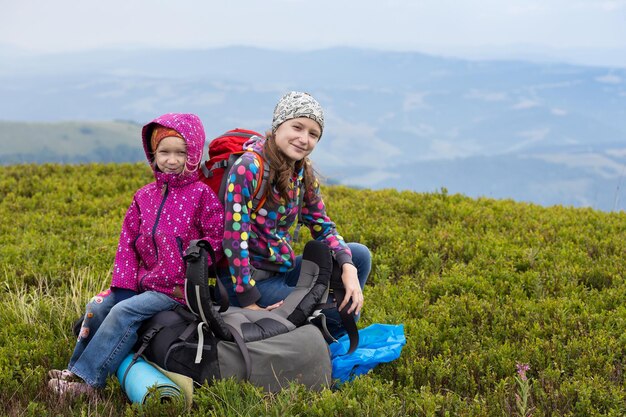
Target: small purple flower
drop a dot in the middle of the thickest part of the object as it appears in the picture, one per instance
(522, 368)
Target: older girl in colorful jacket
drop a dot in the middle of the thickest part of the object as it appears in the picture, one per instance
(263, 268)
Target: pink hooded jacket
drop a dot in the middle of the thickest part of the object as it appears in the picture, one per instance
(165, 216)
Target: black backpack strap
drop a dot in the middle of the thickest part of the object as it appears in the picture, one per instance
(311, 289)
(186, 334)
(198, 273)
(148, 335)
(215, 322)
(193, 326)
(224, 303)
(197, 290)
(347, 320)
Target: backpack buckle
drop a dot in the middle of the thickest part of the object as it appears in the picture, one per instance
(192, 252)
(318, 319)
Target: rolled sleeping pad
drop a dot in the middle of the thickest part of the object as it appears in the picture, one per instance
(143, 376)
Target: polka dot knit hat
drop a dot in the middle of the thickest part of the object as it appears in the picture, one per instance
(296, 104)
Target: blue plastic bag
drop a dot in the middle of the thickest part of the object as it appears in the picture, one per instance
(378, 343)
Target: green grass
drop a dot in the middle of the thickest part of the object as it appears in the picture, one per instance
(480, 285)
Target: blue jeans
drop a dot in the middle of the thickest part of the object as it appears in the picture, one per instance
(279, 286)
(109, 332)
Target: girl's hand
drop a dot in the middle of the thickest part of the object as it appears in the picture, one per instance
(268, 308)
(353, 289)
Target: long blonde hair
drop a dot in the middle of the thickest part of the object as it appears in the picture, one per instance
(282, 169)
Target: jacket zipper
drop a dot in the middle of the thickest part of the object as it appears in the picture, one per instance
(156, 223)
(158, 216)
(179, 242)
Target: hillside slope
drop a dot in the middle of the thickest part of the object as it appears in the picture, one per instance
(70, 142)
(481, 285)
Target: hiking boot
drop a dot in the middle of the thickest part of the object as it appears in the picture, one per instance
(74, 389)
(64, 375)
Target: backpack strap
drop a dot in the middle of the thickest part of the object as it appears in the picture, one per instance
(197, 290)
(318, 319)
(200, 329)
(296, 232)
(205, 170)
(260, 193)
(318, 270)
(347, 320)
(147, 337)
(238, 339)
(319, 274)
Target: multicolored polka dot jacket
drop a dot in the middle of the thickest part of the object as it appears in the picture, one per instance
(262, 238)
(165, 216)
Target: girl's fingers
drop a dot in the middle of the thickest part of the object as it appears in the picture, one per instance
(273, 306)
(356, 305)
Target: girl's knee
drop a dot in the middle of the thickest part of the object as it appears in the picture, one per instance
(362, 259)
(119, 309)
(96, 311)
(360, 252)
(100, 303)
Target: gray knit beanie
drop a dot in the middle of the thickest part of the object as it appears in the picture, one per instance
(296, 104)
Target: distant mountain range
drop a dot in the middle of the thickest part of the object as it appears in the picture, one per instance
(545, 133)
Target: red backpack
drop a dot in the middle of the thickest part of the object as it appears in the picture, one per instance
(224, 150)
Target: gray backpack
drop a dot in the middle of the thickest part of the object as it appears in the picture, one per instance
(268, 348)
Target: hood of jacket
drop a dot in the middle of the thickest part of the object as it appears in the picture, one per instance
(191, 129)
(255, 143)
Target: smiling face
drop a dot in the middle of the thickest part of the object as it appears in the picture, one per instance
(296, 138)
(171, 155)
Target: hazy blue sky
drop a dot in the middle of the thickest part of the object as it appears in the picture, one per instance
(583, 30)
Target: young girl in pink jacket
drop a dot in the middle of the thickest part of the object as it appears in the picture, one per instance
(149, 270)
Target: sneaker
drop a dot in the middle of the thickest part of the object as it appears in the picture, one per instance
(64, 375)
(63, 388)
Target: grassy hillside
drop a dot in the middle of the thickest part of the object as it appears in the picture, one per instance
(481, 286)
(69, 142)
